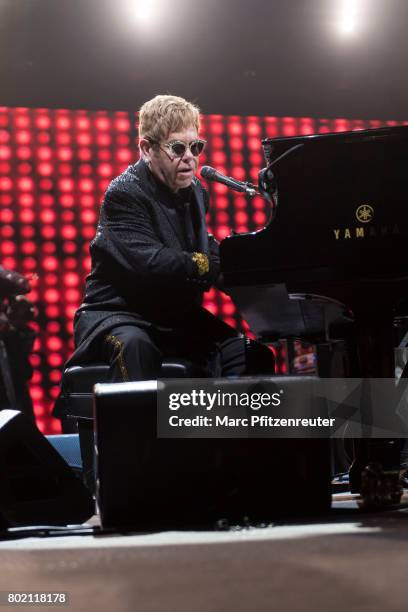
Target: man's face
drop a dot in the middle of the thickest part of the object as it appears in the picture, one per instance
(176, 172)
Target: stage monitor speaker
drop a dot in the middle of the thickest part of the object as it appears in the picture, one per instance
(37, 487)
(145, 482)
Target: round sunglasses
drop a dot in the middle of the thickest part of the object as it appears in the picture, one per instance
(178, 148)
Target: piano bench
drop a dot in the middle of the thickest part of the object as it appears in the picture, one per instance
(75, 405)
(77, 385)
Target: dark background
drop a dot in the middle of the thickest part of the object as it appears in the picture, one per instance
(260, 57)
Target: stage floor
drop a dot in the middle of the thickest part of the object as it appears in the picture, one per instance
(347, 561)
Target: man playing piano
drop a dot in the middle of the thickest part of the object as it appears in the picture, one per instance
(152, 260)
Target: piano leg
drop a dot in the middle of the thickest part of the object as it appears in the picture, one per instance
(375, 471)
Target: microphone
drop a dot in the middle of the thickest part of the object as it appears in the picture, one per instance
(211, 174)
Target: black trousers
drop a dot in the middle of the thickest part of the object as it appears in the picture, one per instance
(137, 353)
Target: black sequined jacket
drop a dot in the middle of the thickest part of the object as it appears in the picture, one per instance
(140, 271)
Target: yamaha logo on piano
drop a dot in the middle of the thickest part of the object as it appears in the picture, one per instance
(365, 214)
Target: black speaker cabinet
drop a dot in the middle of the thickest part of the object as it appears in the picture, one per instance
(37, 487)
(146, 482)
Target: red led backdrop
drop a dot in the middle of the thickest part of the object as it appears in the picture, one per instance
(54, 168)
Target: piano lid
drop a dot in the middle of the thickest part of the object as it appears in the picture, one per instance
(274, 148)
(342, 214)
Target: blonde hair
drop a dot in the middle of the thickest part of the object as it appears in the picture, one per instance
(164, 114)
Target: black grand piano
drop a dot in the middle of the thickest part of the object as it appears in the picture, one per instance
(338, 228)
(335, 248)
